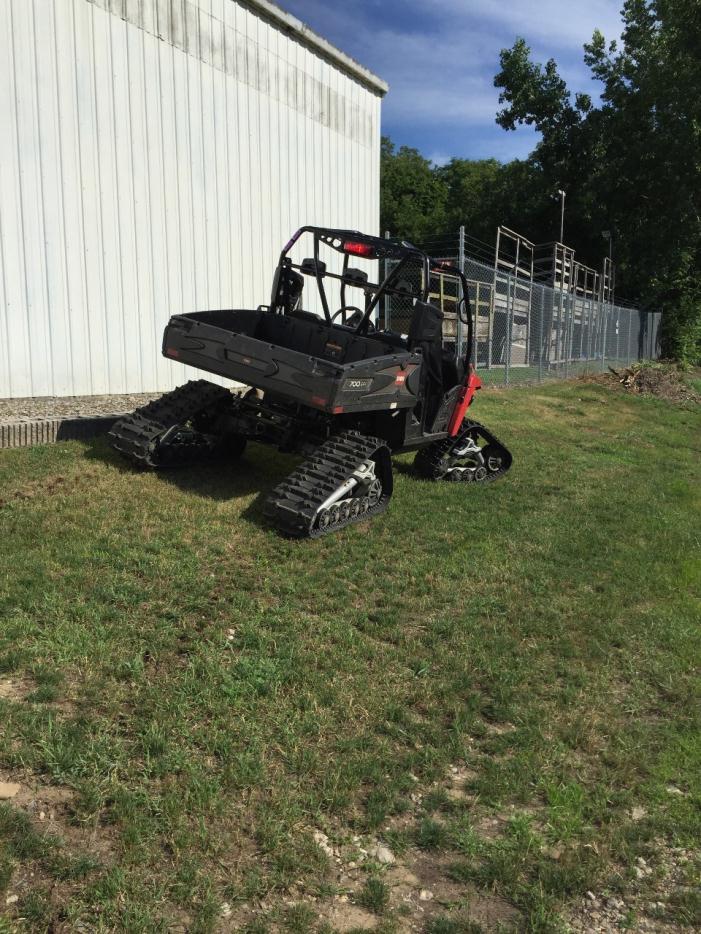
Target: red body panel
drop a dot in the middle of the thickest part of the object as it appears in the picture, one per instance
(472, 384)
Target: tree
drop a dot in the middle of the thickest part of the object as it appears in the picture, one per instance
(632, 164)
(412, 196)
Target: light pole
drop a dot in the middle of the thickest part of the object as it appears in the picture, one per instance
(561, 193)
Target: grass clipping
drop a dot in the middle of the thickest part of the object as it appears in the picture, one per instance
(665, 380)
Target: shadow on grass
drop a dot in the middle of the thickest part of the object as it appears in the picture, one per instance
(258, 470)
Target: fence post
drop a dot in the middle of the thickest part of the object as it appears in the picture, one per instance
(510, 293)
(630, 328)
(461, 267)
(568, 323)
(604, 310)
(540, 336)
(385, 300)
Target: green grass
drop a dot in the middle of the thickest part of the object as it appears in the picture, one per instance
(529, 374)
(212, 694)
(374, 894)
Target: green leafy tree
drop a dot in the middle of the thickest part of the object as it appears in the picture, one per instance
(631, 164)
(412, 195)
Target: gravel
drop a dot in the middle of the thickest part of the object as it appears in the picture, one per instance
(13, 410)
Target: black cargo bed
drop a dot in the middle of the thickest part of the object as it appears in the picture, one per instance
(298, 356)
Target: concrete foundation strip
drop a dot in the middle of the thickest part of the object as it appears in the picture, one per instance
(31, 431)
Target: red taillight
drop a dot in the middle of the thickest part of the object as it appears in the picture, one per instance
(359, 249)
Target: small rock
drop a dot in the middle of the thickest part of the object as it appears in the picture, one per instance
(638, 813)
(8, 790)
(322, 841)
(11, 899)
(641, 862)
(673, 790)
(42, 815)
(639, 873)
(383, 855)
(225, 910)
(554, 852)
(425, 895)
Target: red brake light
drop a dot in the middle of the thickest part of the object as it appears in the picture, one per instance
(359, 249)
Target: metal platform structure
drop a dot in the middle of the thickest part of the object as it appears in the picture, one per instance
(539, 312)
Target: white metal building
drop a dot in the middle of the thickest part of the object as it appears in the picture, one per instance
(155, 155)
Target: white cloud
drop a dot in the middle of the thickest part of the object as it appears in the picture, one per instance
(547, 24)
(439, 158)
(440, 56)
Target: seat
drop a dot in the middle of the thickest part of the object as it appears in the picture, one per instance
(288, 289)
(426, 335)
(453, 370)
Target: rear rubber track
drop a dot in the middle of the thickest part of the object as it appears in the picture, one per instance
(142, 437)
(293, 506)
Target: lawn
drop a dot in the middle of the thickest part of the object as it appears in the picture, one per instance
(214, 728)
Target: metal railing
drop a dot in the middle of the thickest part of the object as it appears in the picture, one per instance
(526, 331)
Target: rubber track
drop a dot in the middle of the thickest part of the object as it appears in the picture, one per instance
(293, 504)
(137, 436)
(429, 462)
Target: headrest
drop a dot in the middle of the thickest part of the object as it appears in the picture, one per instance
(313, 267)
(426, 323)
(355, 276)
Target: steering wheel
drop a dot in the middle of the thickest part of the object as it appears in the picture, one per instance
(342, 312)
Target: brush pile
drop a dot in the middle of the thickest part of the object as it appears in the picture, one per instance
(665, 380)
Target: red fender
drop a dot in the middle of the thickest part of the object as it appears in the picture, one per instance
(464, 400)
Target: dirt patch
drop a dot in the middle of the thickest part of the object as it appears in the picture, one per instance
(15, 689)
(654, 897)
(344, 916)
(51, 486)
(458, 778)
(46, 803)
(664, 380)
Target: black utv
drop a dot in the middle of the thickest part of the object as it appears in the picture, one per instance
(334, 385)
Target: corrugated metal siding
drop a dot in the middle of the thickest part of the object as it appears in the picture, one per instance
(155, 156)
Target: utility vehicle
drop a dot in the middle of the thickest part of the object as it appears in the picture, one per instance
(335, 386)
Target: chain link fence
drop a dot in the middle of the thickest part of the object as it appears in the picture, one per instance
(526, 331)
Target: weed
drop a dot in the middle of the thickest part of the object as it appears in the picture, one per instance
(374, 895)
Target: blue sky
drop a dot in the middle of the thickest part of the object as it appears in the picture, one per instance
(440, 57)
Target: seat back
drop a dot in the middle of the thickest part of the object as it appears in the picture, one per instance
(426, 335)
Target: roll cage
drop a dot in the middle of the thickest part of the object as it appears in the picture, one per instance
(352, 243)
